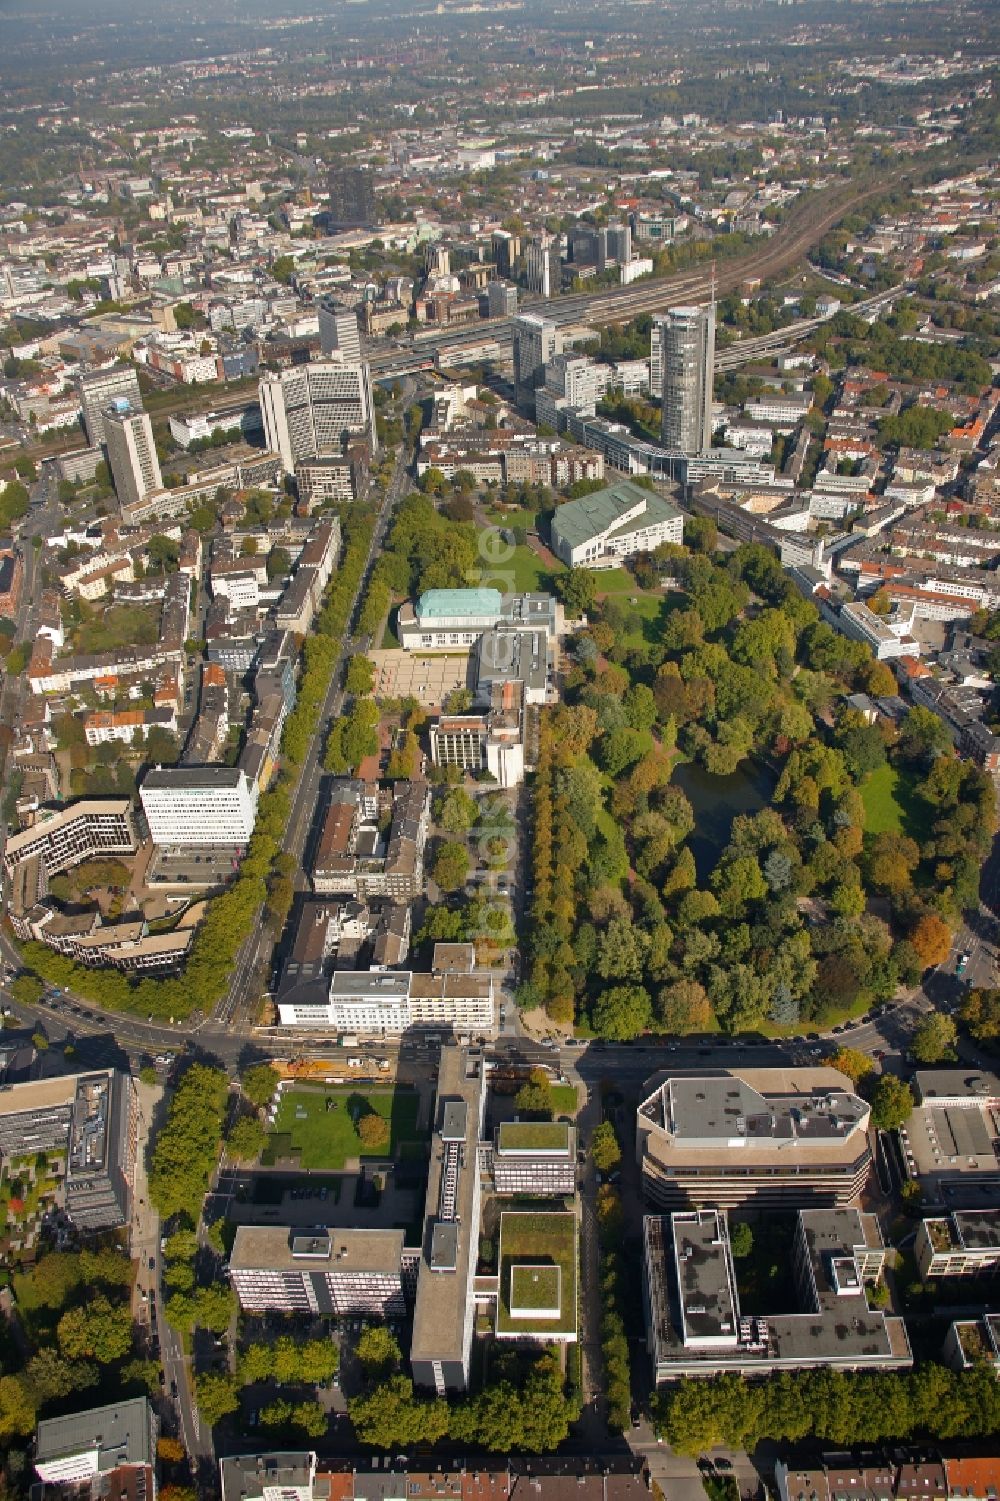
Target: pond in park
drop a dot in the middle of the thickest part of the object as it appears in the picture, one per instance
(716, 802)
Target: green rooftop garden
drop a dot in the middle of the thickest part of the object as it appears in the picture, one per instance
(537, 1244)
(534, 1136)
(534, 1287)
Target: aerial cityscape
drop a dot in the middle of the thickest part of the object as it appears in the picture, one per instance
(500, 751)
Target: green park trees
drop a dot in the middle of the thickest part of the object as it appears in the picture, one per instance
(892, 1103)
(352, 737)
(451, 865)
(531, 1414)
(629, 929)
(259, 1083)
(933, 1040)
(187, 1146)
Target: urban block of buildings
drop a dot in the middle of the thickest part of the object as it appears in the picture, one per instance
(694, 1322)
(91, 1121)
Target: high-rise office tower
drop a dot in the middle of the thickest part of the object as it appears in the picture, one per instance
(618, 244)
(506, 249)
(687, 353)
(310, 411)
(352, 198)
(135, 467)
(98, 388)
(541, 263)
(535, 341)
(501, 299)
(338, 330)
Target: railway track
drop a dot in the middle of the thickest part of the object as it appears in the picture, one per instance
(805, 227)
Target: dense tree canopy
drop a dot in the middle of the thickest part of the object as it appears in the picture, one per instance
(627, 930)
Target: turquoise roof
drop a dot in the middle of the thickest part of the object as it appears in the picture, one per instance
(444, 603)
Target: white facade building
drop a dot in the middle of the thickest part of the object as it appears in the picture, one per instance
(310, 411)
(613, 523)
(387, 1003)
(199, 805)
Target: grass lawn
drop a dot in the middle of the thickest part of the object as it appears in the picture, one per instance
(323, 1138)
(537, 1241)
(650, 607)
(520, 517)
(522, 572)
(890, 803)
(565, 1100)
(529, 571)
(118, 626)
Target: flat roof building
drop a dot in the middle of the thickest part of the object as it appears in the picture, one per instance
(694, 1322)
(93, 1119)
(534, 1157)
(763, 1136)
(93, 826)
(288, 1475)
(456, 619)
(387, 1003)
(963, 1244)
(444, 1315)
(322, 1271)
(83, 1446)
(951, 1142)
(199, 805)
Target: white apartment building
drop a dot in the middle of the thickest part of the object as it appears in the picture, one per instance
(886, 640)
(687, 363)
(199, 805)
(339, 332)
(97, 390)
(387, 1003)
(541, 265)
(613, 523)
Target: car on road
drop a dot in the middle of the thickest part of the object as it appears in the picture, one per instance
(963, 960)
(173, 1390)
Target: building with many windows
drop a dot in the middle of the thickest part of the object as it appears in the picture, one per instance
(322, 1271)
(694, 1323)
(339, 331)
(92, 827)
(455, 620)
(313, 411)
(767, 1137)
(535, 341)
(533, 1157)
(92, 1118)
(614, 523)
(132, 456)
(965, 1243)
(100, 1444)
(444, 1315)
(98, 389)
(199, 805)
(352, 198)
(683, 352)
(386, 1003)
